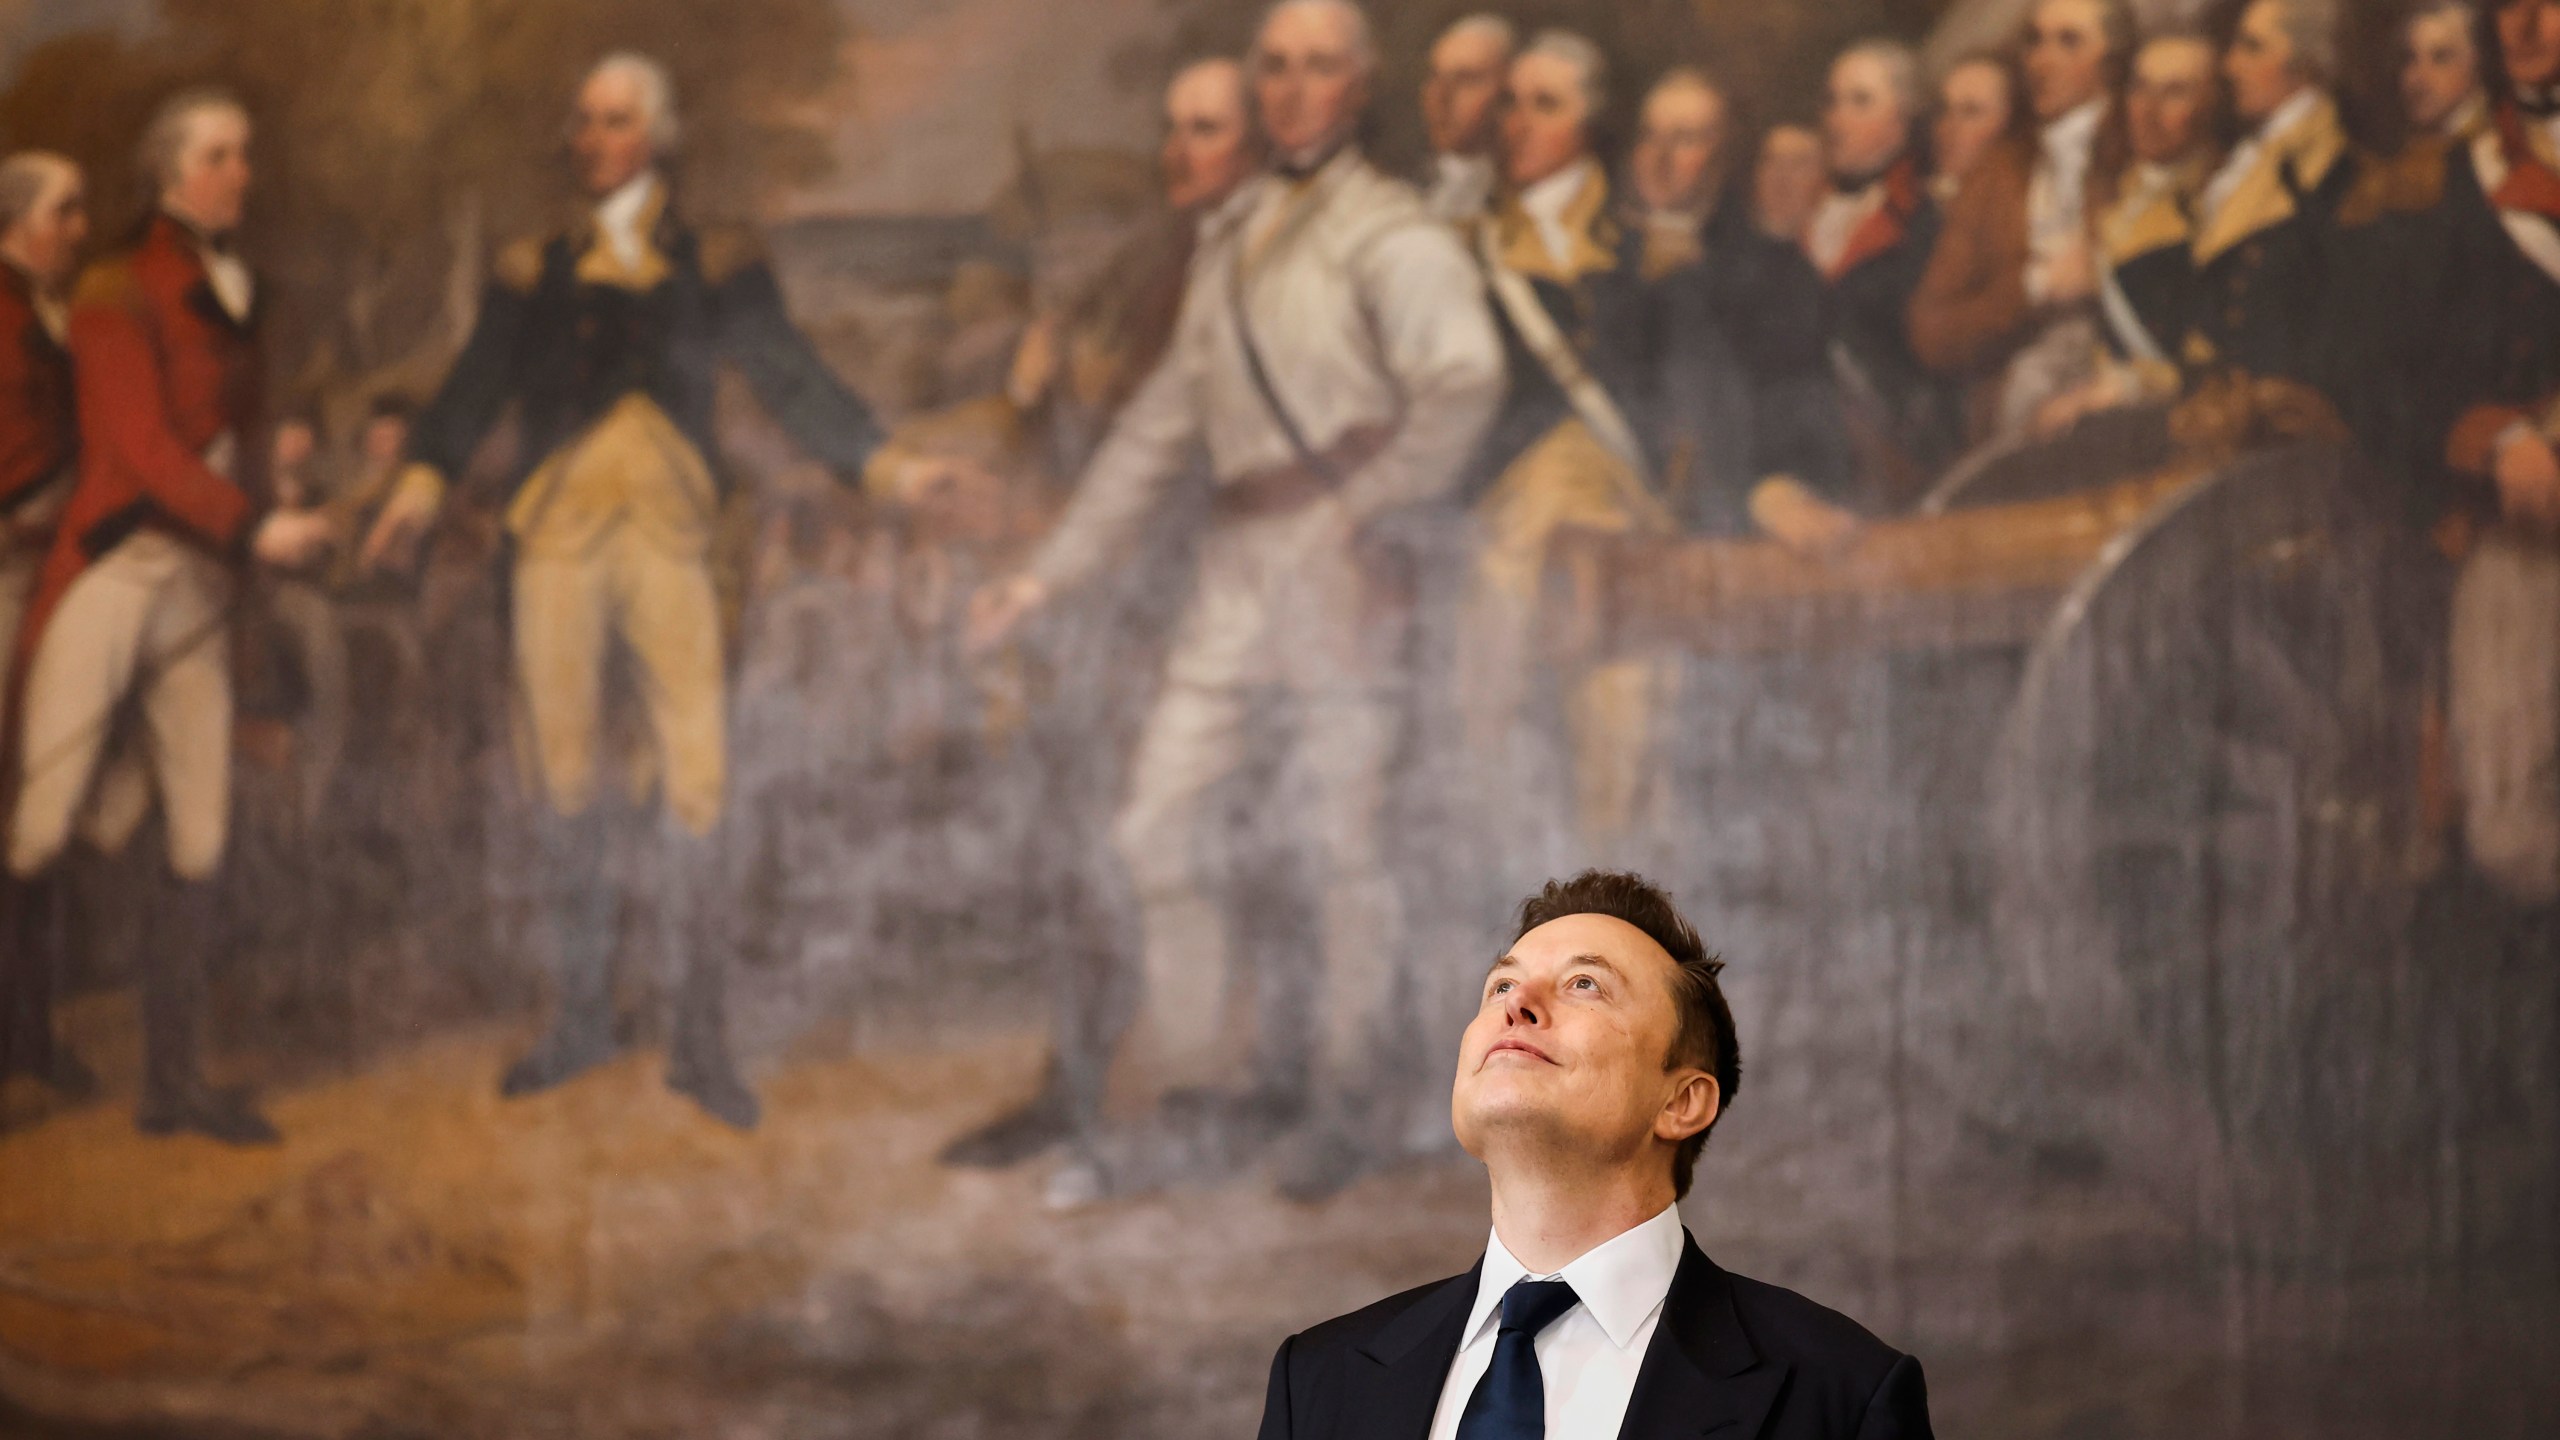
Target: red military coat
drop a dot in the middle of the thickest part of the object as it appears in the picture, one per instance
(38, 435)
(163, 371)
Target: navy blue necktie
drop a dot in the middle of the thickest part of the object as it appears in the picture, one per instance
(1510, 1402)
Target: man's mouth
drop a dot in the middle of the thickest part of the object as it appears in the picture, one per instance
(1520, 1046)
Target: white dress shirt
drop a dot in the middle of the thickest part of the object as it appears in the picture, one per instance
(1590, 1356)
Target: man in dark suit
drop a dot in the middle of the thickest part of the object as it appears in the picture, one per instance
(607, 339)
(1602, 1055)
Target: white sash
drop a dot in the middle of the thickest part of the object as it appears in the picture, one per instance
(1556, 355)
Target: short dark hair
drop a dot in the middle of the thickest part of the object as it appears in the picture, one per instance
(1705, 1036)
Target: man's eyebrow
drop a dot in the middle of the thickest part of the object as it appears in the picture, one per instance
(1596, 960)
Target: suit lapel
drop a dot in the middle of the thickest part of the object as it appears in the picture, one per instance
(1394, 1395)
(1701, 1375)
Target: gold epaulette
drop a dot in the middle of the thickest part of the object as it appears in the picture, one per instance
(519, 265)
(109, 282)
(2406, 184)
(727, 251)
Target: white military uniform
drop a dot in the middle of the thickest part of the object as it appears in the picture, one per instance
(1369, 317)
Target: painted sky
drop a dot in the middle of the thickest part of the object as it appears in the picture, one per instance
(935, 90)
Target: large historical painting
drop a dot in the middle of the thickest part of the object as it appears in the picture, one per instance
(811, 718)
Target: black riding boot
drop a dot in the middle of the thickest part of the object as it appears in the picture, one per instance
(31, 928)
(580, 912)
(693, 924)
(176, 1098)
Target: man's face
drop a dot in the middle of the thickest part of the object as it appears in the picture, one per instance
(609, 133)
(385, 437)
(1460, 90)
(1569, 1047)
(211, 186)
(2529, 37)
(1545, 119)
(1206, 151)
(2169, 99)
(1788, 184)
(1308, 81)
(1973, 113)
(2065, 57)
(1864, 125)
(292, 447)
(2438, 68)
(2260, 63)
(47, 239)
(1679, 142)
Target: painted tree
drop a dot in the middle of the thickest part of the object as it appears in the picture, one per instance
(401, 140)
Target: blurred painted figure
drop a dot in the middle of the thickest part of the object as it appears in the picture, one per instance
(44, 221)
(2008, 305)
(1335, 359)
(1745, 386)
(139, 594)
(1461, 110)
(606, 339)
(1977, 105)
(1575, 449)
(1871, 237)
(2486, 260)
(1210, 148)
(2145, 280)
(2265, 259)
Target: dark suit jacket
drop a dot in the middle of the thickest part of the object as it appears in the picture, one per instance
(1747, 356)
(563, 351)
(1732, 1358)
(1869, 319)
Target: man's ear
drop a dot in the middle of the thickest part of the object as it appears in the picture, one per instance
(1695, 1102)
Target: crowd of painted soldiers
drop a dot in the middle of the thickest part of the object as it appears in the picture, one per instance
(1395, 399)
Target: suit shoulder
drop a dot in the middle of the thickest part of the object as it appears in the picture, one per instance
(1359, 1326)
(112, 282)
(520, 262)
(1812, 1336)
(2405, 184)
(728, 251)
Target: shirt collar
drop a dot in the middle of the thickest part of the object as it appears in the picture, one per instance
(2288, 115)
(1622, 1281)
(620, 212)
(1547, 200)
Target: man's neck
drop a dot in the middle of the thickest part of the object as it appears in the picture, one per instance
(1303, 164)
(1548, 1215)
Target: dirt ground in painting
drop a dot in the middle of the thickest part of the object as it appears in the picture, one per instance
(422, 1259)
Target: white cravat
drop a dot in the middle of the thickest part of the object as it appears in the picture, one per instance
(234, 285)
(618, 217)
(1837, 219)
(2244, 156)
(1588, 1358)
(2057, 196)
(1460, 185)
(1546, 202)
